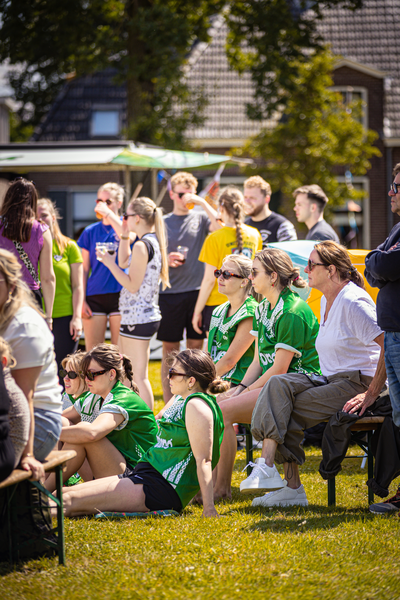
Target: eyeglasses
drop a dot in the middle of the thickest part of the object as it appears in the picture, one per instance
(172, 373)
(395, 187)
(226, 274)
(70, 374)
(126, 216)
(312, 264)
(92, 374)
(108, 201)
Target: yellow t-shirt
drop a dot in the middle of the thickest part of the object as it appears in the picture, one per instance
(221, 243)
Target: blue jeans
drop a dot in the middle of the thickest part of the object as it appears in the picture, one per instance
(47, 432)
(392, 360)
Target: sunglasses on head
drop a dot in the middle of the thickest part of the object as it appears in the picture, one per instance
(172, 373)
(70, 374)
(92, 374)
(226, 274)
(108, 201)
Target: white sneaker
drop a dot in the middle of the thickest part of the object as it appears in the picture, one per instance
(262, 477)
(284, 497)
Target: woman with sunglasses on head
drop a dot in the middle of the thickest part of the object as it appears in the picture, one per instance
(138, 302)
(350, 350)
(101, 289)
(285, 329)
(233, 238)
(230, 342)
(125, 427)
(181, 462)
(30, 241)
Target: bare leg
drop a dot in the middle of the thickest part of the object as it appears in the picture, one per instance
(235, 410)
(85, 471)
(168, 347)
(95, 330)
(139, 353)
(107, 494)
(291, 469)
(114, 321)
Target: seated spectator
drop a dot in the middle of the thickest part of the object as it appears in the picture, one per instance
(285, 329)
(230, 342)
(18, 415)
(180, 463)
(350, 349)
(7, 455)
(22, 325)
(125, 427)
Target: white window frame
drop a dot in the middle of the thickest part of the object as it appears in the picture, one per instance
(364, 97)
(366, 223)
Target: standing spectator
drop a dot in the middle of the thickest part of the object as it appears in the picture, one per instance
(29, 240)
(101, 289)
(185, 228)
(310, 202)
(68, 300)
(382, 270)
(233, 238)
(272, 227)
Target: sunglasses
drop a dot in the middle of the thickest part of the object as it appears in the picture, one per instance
(172, 373)
(70, 374)
(108, 201)
(126, 216)
(181, 194)
(226, 274)
(312, 264)
(395, 187)
(92, 374)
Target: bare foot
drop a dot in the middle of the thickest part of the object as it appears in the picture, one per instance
(223, 496)
(197, 499)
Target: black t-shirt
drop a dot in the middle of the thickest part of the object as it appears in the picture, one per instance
(274, 228)
(322, 231)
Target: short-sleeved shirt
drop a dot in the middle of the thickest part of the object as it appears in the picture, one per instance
(101, 280)
(322, 231)
(220, 244)
(137, 432)
(33, 249)
(290, 325)
(186, 230)
(62, 269)
(221, 335)
(274, 228)
(172, 455)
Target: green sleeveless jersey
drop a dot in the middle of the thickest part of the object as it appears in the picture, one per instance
(172, 455)
(88, 405)
(290, 325)
(138, 431)
(223, 330)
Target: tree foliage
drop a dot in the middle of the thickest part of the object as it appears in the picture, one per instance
(315, 137)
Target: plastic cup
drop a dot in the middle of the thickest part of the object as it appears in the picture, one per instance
(109, 247)
(190, 205)
(184, 251)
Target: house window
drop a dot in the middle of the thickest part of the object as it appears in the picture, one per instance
(105, 123)
(353, 94)
(83, 212)
(352, 219)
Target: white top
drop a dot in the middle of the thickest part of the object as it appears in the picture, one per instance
(32, 345)
(345, 340)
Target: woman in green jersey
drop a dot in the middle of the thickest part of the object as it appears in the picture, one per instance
(230, 342)
(125, 427)
(180, 463)
(285, 329)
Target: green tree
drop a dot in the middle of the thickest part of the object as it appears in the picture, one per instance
(315, 137)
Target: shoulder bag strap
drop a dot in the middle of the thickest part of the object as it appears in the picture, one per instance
(25, 259)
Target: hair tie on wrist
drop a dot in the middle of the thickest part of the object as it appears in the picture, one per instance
(243, 386)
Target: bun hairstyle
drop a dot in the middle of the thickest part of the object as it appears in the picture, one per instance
(19, 210)
(231, 198)
(243, 265)
(199, 364)
(153, 215)
(75, 362)
(332, 253)
(108, 357)
(277, 261)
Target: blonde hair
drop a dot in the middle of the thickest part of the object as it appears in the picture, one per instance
(115, 190)
(61, 239)
(243, 265)
(18, 292)
(231, 198)
(75, 361)
(258, 182)
(5, 352)
(152, 215)
(183, 178)
(277, 261)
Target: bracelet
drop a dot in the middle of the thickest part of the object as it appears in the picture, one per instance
(124, 237)
(29, 454)
(48, 319)
(243, 386)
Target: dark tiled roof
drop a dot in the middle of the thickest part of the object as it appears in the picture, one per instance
(370, 36)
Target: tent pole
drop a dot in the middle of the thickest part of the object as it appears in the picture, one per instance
(128, 187)
(154, 186)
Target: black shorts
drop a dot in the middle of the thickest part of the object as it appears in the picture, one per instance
(207, 314)
(142, 331)
(159, 494)
(177, 313)
(104, 304)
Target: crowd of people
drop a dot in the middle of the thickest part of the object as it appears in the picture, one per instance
(197, 272)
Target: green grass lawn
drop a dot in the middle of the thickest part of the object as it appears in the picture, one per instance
(281, 554)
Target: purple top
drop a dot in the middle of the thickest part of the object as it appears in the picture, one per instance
(32, 248)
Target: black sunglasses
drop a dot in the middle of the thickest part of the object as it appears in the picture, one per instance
(108, 201)
(226, 274)
(126, 216)
(311, 264)
(395, 187)
(181, 194)
(92, 374)
(172, 373)
(70, 374)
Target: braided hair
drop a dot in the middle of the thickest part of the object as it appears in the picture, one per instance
(231, 198)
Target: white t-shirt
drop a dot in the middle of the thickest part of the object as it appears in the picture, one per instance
(32, 345)
(345, 340)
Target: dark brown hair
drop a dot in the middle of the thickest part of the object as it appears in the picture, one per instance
(109, 357)
(199, 364)
(314, 194)
(278, 261)
(19, 210)
(332, 253)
